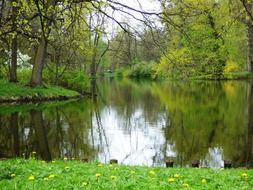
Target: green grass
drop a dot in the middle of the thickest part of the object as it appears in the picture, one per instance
(35, 174)
(10, 90)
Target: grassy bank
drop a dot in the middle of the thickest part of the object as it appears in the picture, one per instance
(19, 92)
(34, 174)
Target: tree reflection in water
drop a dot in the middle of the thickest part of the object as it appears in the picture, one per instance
(140, 122)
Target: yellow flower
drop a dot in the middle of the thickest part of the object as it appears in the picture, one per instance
(13, 175)
(51, 176)
(98, 174)
(84, 184)
(152, 172)
(171, 179)
(185, 185)
(176, 175)
(65, 158)
(244, 175)
(46, 179)
(203, 181)
(31, 178)
(113, 177)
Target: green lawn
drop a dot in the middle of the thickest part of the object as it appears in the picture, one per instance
(35, 174)
(10, 90)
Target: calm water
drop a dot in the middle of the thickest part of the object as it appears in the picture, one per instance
(140, 123)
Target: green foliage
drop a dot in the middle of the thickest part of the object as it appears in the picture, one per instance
(140, 70)
(77, 81)
(36, 174)
(208, 38)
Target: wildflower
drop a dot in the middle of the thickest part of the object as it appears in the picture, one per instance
(152, 172)
(185, 185)
(84, 184)
(51, 176)
(65, 158)
(46, 178)
(171, 179)
(244, 175)
(98, 174)
(176, 175)
(13, 175)
(31, 178)
(203, 181)
(113, 177)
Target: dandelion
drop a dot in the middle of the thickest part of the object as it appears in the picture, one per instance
(176, 175)
(113, 177)
(51, 176)
(31, 178)
(171, 179)
(152, 172)
(244, 175)
(203, 181)
(185, 185)
(65, 158)
(13, 175)
(84, 184)
(98, 174)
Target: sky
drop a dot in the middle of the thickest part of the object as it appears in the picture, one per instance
(146, 5)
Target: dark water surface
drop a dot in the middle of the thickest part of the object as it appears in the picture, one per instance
(140, 123)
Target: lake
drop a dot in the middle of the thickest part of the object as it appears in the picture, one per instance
(138, 123)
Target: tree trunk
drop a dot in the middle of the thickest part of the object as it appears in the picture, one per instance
(250, 44)
(14, 46)
(40, 58)
(14, 55)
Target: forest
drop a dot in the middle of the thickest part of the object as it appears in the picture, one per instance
(69, 42)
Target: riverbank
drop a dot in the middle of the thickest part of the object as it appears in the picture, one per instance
(64, 174)
(20, 93)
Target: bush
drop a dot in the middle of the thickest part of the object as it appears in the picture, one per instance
(141, 70)
(231, 67)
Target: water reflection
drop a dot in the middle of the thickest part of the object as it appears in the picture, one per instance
(140, 123)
